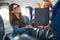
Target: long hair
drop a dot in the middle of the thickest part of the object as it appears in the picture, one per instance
(12, 20)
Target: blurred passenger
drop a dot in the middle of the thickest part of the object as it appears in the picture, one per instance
(39, 5)
(47, 4)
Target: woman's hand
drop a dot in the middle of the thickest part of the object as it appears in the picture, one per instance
(30, 26)
(46, 27)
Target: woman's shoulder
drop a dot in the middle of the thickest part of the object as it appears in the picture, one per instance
(26, 20)
(25, 17)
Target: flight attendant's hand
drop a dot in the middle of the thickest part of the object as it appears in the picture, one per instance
(47, 27)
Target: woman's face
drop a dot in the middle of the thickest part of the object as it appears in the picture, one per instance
(16, 9)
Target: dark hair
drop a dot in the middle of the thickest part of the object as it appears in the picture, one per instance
(12, 21)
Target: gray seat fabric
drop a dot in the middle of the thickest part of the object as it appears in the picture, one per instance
(20, 37)
(46, 34)
(1, 28)
(23, 37)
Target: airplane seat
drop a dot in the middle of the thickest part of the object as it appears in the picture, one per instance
(45, 34)
(26, 37)
(2, 31)
(4, 12)
(20, 37)
(30, 10)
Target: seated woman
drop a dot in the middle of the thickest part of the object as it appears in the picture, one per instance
(19, 23)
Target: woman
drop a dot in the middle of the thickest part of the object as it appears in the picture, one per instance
(19, 22)
(16, 17)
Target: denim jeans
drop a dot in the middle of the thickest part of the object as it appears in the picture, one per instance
(24, 30)
(21, 31)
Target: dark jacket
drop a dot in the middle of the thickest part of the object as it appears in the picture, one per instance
(55, 24)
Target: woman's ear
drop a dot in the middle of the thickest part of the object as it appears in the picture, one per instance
(12, 11)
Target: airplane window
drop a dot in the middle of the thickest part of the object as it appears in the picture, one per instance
(25, 12)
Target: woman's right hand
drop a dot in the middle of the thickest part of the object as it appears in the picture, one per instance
(40, 27)
(30, 26)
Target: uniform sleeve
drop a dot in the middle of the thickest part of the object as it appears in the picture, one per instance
(55, 24)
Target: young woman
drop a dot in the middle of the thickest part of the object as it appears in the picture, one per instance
(16, 19)
(19, 23)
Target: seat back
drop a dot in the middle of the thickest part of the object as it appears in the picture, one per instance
(46, 34)
(1, 28)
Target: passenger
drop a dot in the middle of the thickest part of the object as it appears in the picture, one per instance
(47, 4)
(19, 23)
